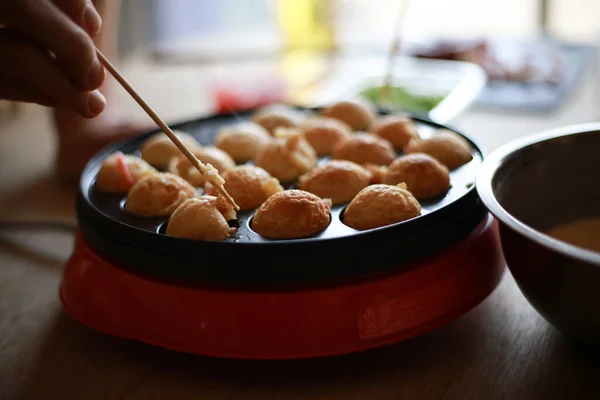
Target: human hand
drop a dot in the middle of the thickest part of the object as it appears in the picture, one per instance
(47, 55)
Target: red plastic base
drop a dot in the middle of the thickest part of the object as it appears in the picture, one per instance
(282, 325)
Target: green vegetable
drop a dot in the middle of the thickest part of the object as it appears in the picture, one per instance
(402, 98)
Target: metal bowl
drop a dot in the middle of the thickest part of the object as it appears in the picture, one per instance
(532, 185)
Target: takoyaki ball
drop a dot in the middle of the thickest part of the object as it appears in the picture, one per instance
(287, 156)
(358, 113)
(446, 146)
(338, 180)
(274, 116)
(396, 129)
(182, 167)
(377, 172)
(199, 218)
(323, 133)
(292, 214)
(119, 172)
(158, 195)
(225, 207)
(208, 155)
(381, 205)
(250, 186)
(242, 141)
(424, 176)
(158, 149)
(216, 157)
(364, 148)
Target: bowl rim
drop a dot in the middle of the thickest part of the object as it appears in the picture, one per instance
(492, 163)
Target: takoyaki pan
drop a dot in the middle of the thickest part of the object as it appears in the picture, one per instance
(305, 213)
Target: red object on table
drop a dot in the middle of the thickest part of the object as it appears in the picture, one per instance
(342, 318)
(230, 99)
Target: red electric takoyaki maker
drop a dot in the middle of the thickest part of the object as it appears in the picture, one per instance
(248, 297)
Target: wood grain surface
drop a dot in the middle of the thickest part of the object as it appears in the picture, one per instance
(502, 349)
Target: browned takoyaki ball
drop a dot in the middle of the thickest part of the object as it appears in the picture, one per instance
(287, 156)
(119, 172)
(337, 180)
(216, 157)
(377, 172)
(396, 129)
(225, 207)
(324, 133)
(158, 149)
(424, 176)
(182, 167)
(250, 186)
(199, 218)
(292, 214)
(274, 116)
(364, 148)
(208, 155)
(358, 113)
(158, 195)
(242, 141)
(381, 205)
(446, 146)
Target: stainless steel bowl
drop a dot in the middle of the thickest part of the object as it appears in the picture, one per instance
(531, 185)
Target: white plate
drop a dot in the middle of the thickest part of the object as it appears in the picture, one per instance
(460, 82)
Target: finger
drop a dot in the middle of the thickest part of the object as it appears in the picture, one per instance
(16, 90)
(68, 42)
(32, 64)
(83, 13)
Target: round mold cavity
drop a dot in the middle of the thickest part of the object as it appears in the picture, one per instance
(162, 228)
(248, 257)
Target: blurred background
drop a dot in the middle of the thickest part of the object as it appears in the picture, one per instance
(510, 56)
(532, 52)
(253, 26)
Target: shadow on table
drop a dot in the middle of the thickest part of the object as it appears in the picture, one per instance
(42, 250)
(37, 221)
(42, 198)
(75, 362)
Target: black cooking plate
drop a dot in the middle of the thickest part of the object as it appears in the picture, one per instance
(339, 252)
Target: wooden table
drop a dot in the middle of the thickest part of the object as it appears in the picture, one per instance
(502, 349)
